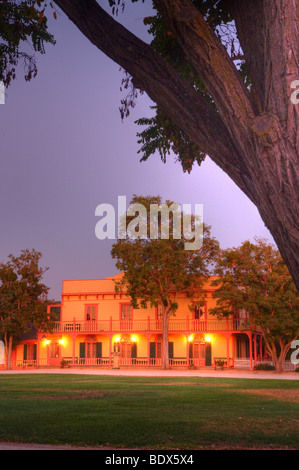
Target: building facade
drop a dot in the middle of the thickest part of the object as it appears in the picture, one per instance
(96, 327)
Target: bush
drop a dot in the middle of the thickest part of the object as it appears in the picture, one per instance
(219, 363)
(264, 366)
(64, 363)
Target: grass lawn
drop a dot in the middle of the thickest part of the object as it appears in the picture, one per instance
(154, 413)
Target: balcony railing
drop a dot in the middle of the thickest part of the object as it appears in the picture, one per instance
(149, 325)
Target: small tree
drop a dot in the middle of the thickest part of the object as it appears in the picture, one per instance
(22, 298)
(255, 278)
(156, 270)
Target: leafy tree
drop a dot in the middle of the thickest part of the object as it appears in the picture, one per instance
(157, 270)
(22, 298)
(255, 279)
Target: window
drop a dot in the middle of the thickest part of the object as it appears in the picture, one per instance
(91, 312)
(90, 349)
(55, 312)
(159, 312)
(198, 312)
(30, 352)
(126, 312)
(158, 350)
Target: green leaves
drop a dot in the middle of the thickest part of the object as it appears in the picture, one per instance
(163, 136)
(22, 293)
(21, 22)
(255, 279)
(155, 270)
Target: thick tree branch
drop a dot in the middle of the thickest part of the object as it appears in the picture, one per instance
(250, 22)
(282, 53)
(150, 72)
(213, 64)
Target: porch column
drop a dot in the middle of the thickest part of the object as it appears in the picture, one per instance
(255, 350)
(233, 351)
(110, 350)
(74, 350)
(187, 348)
(227, 350)
(250, 349)
(37, 350)
(148, 349)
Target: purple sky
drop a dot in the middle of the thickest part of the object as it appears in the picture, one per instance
(64, 150)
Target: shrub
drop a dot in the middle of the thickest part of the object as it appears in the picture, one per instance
(264, 366)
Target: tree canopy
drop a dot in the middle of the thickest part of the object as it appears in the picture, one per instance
(155, 271)
(23, 297)
(253, 278)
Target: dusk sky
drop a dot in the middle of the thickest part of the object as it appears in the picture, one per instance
(65, 150)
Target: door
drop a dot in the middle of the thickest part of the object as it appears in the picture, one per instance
(126, 316)
(54, 353)
(91, 317)
(208, 354)
(200, 354)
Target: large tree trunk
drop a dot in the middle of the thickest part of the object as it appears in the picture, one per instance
(253, 135)
(278, 357)
(8, 350)
(275, 181)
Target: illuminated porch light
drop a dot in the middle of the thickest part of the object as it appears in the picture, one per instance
(45, 340)
(61, 341)
(117, 339)
(190, 338)
(134, 338)
(208, 339)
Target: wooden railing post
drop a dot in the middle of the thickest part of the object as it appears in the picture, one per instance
(148, 350)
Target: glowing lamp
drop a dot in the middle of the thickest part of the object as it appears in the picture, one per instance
(208, 339)
(134, 339)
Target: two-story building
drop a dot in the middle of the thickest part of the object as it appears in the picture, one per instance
(95, 326)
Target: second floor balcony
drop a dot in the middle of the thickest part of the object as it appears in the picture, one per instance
(176, 325)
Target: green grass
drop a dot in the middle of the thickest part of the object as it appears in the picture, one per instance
(154, 413)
